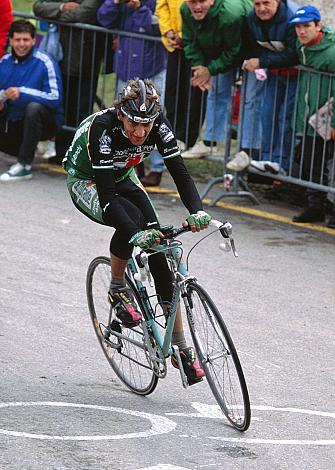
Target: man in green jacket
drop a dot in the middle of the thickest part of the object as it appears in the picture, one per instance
(211, 32)
(316, 49)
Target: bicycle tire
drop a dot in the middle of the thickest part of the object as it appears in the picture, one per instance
(218, 357)
(129, 361)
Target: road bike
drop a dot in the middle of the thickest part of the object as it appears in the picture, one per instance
(139, 355)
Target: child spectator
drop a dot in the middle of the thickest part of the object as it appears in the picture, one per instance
(316, 49)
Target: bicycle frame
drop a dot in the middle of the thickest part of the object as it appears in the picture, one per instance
(181, 275)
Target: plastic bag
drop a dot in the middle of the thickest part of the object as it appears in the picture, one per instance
(51, 44)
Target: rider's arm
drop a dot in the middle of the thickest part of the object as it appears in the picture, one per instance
(185, 185)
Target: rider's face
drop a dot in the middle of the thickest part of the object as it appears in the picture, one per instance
(137, 133)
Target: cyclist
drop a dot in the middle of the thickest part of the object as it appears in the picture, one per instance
(104, 186)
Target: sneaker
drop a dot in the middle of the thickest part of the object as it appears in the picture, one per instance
(191, 365)
(200, 150)
(274, 168)
(258, 164)
(240, 162)
(50, 150)
(122, 300)
(310, 215)
(17, 172)
(267, 166)
(181, 145)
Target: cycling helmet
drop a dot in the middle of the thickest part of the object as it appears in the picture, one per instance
(139, 101)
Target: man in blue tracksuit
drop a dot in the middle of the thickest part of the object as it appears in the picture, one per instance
(30, 99)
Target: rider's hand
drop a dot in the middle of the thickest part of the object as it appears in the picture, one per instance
(146, 238)
(198, 221)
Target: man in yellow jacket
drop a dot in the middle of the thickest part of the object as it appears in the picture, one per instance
(184, 104)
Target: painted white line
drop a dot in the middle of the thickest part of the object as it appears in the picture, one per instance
(159, 424)
(164, 467)
(290, 442)
(260, 367)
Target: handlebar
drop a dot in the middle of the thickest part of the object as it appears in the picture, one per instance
(170, 232)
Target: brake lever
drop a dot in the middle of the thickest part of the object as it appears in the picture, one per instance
(143, 264)
(226, 231)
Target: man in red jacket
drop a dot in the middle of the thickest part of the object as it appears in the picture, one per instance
(6, 18)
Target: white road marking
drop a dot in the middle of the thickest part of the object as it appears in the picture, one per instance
(164, 467)
(213, 411)
(290, 442)
(159, 424)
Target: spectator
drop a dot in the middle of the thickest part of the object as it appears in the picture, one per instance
(30, 99)
(6, 18)
(271, 45)
(212, 41)
(316, 49)
(137, 57)
(83, 52)
(184, 105)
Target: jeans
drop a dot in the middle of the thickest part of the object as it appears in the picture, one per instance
(157, 164)
(218, 100)
(251, 128)
(185, 105)
(277, 111)
(159, 80)
(20, 138)
(79, 97)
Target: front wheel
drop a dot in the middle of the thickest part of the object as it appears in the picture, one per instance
(218, 357)
(125, 348)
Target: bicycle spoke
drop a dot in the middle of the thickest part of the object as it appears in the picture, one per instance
(219, 358)
(129, 359)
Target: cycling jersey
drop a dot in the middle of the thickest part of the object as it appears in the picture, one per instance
(100, 162)
(101, 143)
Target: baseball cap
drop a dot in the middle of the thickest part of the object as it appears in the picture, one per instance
(306, 14)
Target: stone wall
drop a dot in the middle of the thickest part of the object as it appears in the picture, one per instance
(326, 7)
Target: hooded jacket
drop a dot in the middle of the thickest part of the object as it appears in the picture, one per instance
(38, 79)
(215, 41)
(169, 17)
(313, 91)
(134, 57)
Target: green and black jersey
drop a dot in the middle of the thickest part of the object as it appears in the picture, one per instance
(101, 143)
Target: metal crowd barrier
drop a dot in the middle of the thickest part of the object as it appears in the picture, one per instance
(267, 117)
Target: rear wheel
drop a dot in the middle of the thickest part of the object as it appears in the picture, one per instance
(124, 348)
(218, 357)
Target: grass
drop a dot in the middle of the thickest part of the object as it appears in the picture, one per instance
(23, 5)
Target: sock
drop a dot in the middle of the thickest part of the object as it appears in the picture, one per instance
(117, 282)
(210, 143)
(178, 339)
